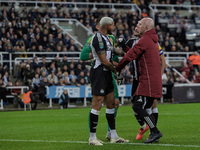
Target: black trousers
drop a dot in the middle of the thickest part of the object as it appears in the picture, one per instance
(140, 104)
(65, 104)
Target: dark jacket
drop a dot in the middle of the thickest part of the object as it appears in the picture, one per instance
(147, 52)
(63, 98)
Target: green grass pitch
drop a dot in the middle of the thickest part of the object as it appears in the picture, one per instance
(68, 129)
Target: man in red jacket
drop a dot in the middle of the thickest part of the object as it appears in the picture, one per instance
(146, 51)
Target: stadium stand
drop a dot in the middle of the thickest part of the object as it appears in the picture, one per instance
(40, 41)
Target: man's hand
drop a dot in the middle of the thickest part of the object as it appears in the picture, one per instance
(118, 51)
(122, 42)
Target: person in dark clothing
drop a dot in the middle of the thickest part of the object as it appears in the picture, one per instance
(150, 83)
(64, 99)
(42, 89)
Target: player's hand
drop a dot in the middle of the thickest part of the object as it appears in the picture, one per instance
(122, 42)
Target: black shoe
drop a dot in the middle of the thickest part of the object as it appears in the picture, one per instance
(153, 137)
(156, 141)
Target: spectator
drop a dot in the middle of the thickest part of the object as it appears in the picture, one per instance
(64, 100)
(72, 50)
(43, 75)
(52, 68)
(71, 67)
(58, 62)
(175, 77)
(43, 69)
(78, 69)
(128, 79)
(72, 75)
(2, 90)
(164, 78)
(43, 63)
(81, 76)
(59, 75)
(196, 77)
(65, 62)
(61, 82)
(66, 82)
(52, 78)
(186, 69)
(28, 98)
(6, 78)
(195, 59)
(35, 82)
(42, 89)
(16, 92)
(74, 82)
(183, 78)
(35, 63)
(28, 75)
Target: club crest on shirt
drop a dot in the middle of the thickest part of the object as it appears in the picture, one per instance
(102, 91)
(101, 45)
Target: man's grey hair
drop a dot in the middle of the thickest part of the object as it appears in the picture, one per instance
(106, 21)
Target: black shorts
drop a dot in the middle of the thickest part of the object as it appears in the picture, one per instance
(134, 88)
(143, 101)
(101, 81)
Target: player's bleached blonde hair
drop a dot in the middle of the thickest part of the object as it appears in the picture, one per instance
(105, 21)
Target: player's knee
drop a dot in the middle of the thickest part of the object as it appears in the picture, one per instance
(154, 104)
(97, 102)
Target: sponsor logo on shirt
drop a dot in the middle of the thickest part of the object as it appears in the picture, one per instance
(101, 45)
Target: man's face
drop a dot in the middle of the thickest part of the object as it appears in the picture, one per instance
(141, 27)
(136, 31)
(110, 28)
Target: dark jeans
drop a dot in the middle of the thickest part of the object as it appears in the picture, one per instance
(64, 104)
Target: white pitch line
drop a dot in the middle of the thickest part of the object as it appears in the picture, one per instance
(85, 142)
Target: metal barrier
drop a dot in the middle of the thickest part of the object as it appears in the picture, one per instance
(1, 58)
(178, 72)
(10, 61)
(154, 7)
(76, 27)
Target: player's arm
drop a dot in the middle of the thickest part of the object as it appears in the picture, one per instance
(105, 62)
(100, 48)
(122, 43)
(114, 63)
(163, 63)
(162, 59)
(131, 54)
(86, 53)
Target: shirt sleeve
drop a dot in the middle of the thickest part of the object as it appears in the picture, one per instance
(99, 43)
(160, 49)
(85, 53)
(132, 54)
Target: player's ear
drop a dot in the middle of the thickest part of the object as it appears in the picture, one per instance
(107, 26)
